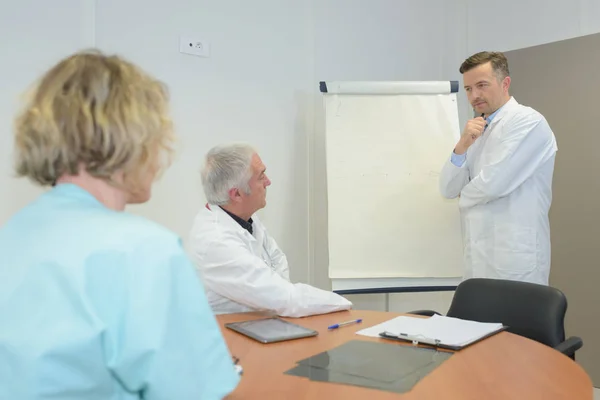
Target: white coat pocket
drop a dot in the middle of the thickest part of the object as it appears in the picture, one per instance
(515, 249)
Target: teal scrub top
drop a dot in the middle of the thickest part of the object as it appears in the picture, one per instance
(100, 304)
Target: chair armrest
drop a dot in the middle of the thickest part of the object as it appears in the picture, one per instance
(427, 313)
(570, 346)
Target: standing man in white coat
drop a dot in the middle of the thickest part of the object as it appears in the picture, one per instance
(502, 169)
(241, 266)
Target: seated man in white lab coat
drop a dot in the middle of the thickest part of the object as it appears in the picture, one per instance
(241, 266)
(502, 169)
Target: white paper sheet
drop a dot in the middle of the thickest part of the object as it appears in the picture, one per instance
(386, 216)
(448, 331)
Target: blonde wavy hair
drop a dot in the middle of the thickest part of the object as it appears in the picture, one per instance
(96, 112)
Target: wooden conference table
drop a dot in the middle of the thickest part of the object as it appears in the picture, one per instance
(504, 366)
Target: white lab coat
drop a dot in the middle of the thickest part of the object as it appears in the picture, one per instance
(505, 189)
(247, 272)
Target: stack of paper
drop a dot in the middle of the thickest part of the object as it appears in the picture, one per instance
(445, 331)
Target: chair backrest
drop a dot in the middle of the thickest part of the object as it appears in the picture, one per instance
(528, 309)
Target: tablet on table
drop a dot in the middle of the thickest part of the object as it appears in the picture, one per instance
(270, 330)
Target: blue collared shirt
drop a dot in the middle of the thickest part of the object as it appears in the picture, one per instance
(98, 304)
(459, 159)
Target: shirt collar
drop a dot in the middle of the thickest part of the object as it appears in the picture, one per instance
(247, 225)
(490, 117)
(72, 190)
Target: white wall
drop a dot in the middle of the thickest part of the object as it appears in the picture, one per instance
(259, 85)
(358, 40)
(33, 35)
(254, 87)
(377, 40)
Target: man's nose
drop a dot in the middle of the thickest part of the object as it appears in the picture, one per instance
(475, 94)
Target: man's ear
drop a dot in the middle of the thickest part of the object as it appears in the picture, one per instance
(506, 83)
(234, 195)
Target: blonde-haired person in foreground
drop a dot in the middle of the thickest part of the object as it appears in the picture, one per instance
(241, 265)
(96, 303)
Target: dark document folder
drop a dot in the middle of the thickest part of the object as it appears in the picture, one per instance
(376, 365)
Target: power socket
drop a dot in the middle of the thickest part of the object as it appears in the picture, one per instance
(194, 46)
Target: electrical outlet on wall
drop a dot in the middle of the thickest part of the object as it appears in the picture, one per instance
(194, 46)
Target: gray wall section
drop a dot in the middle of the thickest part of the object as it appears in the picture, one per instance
(562, 81)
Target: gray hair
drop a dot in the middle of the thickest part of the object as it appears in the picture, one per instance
(226, 167)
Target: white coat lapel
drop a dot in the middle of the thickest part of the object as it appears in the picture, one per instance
(260, 243)
(230, 224)
(488, 140)
(257, 244)
(506, 109)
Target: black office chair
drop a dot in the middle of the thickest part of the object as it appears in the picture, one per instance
(534, 311)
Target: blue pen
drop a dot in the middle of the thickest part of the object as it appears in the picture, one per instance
(354, 321)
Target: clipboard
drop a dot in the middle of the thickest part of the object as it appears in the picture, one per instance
(420, 339)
